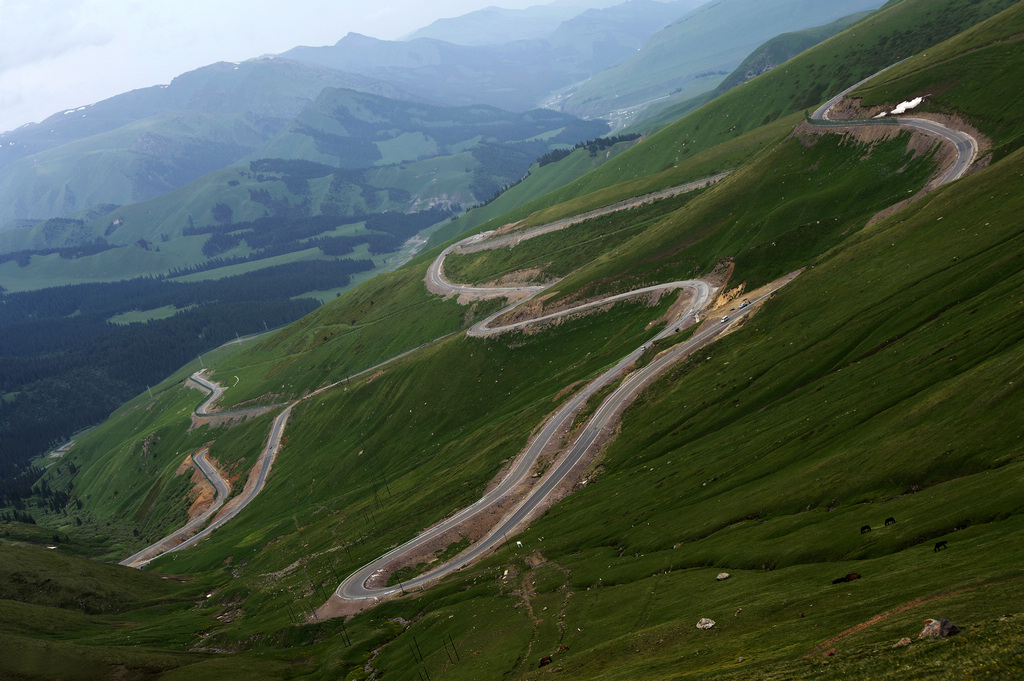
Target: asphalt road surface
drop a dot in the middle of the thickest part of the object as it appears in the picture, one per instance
(215, 394)
(354, 587)
(966, 146)
(177, 539)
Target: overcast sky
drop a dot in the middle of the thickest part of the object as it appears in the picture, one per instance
(61, 54)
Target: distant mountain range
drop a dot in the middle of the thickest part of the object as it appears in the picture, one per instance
(583, 60)
(695, 53)
(842, 462)
(511, 74)
(144, 143)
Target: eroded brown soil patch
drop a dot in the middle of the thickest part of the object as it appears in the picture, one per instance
(203, 492)
(909, 605)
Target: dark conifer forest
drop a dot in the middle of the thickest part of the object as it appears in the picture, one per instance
(64, 366)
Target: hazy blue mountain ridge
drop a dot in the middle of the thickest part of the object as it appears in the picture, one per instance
(515, 75)
(781, 49)
(265, 89)
(694, 54)
(141, 144)
(496, 25)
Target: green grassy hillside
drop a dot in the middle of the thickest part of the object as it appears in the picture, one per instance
(899, 29)
(136, 162)
(71, 618)
(707, 145)
(146, 142)
(371, 156)
(692, 55)
(969, 78)
(781, 49)
(884, 381)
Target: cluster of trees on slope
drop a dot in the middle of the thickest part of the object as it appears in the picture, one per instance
(276, 235)
(24, 257)
(63, 366)
(593, 146)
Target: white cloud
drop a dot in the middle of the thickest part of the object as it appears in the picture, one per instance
(46, 29)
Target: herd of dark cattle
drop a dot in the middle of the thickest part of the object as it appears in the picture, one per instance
(867, 528)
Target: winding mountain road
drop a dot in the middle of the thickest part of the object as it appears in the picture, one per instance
(354, 587)
(188, 535)
(177, 539)
(966, 146)
(216, 392)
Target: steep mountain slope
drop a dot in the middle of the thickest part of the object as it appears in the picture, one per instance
(141, 144)
(514, 75)
(496, 25)
(781, 49)
(610, 35)
(695, 53)
(369, 155)
(875, 43)
(883, 382)
(896, 31)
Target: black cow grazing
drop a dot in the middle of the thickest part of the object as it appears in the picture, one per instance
(545, 661)
(890, 521)
(866, 528)
(848, 578)
(939, 546)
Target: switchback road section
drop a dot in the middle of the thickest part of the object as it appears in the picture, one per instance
(966, 146)
(355, 587)
(358, 585)
(174, 541)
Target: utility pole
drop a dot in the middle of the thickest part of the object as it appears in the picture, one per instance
(348, 639)
(457, 658)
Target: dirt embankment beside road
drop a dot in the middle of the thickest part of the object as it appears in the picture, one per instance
(203, 494)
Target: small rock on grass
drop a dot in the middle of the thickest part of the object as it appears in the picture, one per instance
(705, 623)
(722, 576)
(941, 628)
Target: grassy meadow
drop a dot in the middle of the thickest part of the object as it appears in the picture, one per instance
(884, 381)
